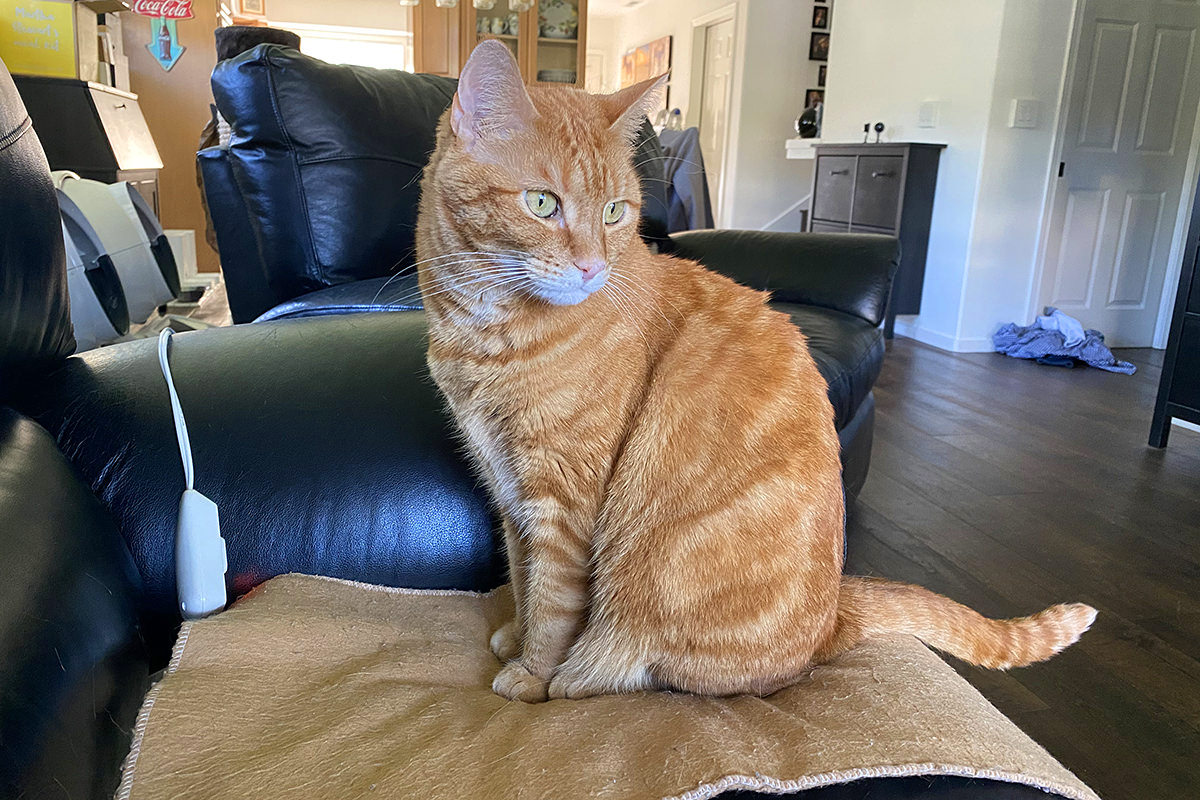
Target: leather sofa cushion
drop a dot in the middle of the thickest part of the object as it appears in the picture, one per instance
(323, 441)
(848, 351)
(328, 159)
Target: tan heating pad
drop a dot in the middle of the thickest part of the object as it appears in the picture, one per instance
(317, 688)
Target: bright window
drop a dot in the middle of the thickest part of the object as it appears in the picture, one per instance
(367, 47)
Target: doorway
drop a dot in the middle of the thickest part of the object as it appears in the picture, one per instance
(1127, 145)
(713, 46)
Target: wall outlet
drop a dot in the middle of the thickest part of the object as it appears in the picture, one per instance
(1024, 113)
(928, 114)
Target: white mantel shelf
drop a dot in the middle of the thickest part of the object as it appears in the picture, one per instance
(798, 148)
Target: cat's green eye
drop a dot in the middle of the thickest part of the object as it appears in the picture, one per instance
(614, 211)
(542, 204)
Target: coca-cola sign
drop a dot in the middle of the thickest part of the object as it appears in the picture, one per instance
(167, 9)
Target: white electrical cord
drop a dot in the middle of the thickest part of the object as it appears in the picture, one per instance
(181, 432)
(200, 562)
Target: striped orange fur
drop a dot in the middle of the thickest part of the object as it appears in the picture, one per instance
(657, 440)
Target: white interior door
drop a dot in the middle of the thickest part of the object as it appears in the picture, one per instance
(715, 94)
(594, 71)
(1130, 114)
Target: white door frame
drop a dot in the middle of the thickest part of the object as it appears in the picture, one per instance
(696, 92)
(1175, 256)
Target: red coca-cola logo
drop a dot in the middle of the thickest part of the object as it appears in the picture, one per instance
(168, 9)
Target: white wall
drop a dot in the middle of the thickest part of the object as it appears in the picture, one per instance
(973, 58)
(602, 36)
(1017, 165)
(772, 74)
(655, 19)
(885, 59)
(768, 96)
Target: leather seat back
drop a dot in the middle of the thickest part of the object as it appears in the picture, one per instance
(327, 161)
(35, 319)
(320, 182)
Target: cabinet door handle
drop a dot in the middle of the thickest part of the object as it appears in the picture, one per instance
(839, 172)
(120, 106)
(883, 174)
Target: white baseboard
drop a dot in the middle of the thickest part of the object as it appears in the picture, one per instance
(909, 326)
(1183, 423)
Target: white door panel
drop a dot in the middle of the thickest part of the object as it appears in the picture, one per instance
(1130, 112)
(714, 103)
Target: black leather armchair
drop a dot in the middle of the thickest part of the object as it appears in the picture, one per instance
(320, 438)
(314, 202)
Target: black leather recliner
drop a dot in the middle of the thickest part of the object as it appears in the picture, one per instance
(314, 204)
(321, 438)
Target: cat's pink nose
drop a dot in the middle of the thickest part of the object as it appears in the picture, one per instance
(590, 267)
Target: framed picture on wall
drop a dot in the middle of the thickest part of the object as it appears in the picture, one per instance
(821, 75)
(820, 19)
(646, 61)
(251, 8)
(660, 56)
(627, 69)
(818, 47)
(813, 96)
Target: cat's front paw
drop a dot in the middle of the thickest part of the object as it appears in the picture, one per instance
(515, 682)
(506, 642)
(571, 684)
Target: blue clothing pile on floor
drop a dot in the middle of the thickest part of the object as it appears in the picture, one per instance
(1059, 340)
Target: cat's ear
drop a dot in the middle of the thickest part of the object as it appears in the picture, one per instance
(627, 107)
(491, 101)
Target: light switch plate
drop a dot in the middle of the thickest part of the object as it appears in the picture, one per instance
(1025, 113)
(927, 115)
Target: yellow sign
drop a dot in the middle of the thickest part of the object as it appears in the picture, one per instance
(37, 37)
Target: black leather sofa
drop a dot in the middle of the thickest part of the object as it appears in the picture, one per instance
(314, 197)
(320, 437)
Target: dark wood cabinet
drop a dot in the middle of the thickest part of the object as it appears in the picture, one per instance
(1179, 386)
(443, 39)
(880, 188)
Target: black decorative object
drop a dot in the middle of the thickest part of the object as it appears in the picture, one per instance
(806, 125)
(866, 131)
(878, 131)
(818, 47)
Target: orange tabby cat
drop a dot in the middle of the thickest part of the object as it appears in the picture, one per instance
(658, 440)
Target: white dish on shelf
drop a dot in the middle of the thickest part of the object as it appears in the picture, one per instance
(558, 19)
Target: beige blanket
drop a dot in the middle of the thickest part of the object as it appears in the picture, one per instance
(316, 688)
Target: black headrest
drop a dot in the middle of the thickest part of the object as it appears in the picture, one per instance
(35, 318)
(233, 40)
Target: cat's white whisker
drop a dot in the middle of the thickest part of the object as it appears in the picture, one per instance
(505, 264)
(452, 283)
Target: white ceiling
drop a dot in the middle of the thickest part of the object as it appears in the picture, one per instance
(612, 8)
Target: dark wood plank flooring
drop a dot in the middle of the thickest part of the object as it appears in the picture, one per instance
(1009, 486)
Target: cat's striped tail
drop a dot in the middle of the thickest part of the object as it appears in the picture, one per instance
(868, 607)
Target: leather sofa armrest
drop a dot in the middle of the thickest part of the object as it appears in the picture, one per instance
(72, 667)
(248, 290)
(848, 272)
(323, 441)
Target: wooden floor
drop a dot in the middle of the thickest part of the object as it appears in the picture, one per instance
(1009, 486)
